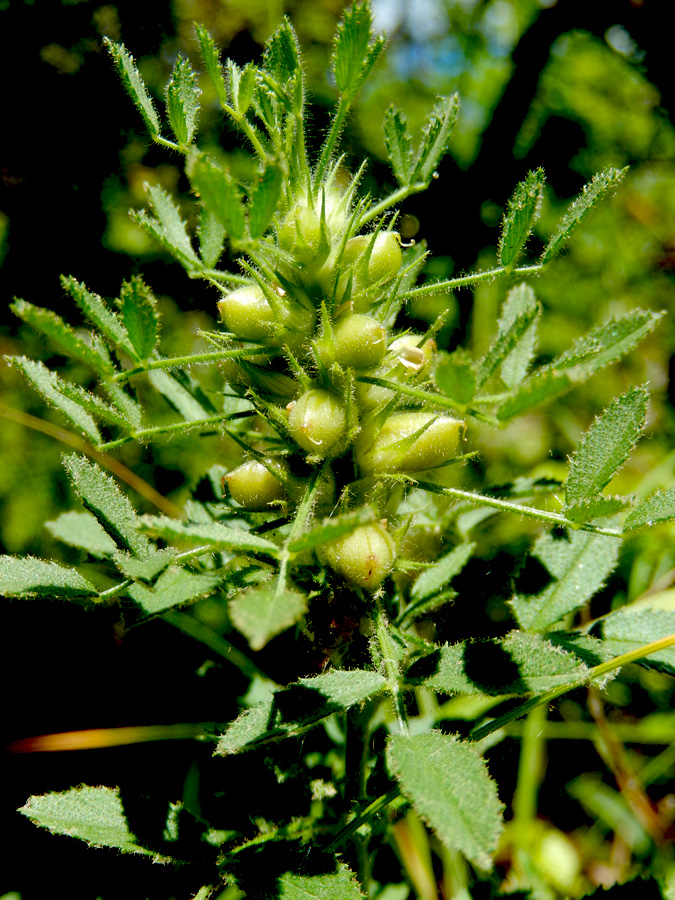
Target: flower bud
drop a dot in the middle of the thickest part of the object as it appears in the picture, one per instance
(378, 448)
(365, 556)
(358, 341)
(318, 421)
(254, 486)
(404, 358)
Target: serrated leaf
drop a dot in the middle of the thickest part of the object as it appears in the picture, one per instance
(340, 885)
(211, 57)
(508, 341)
(628, 629)
(262, 613)
(48, 384)
(263, 200)
(27, 576)
(599, 186)
(176, 395)
(92, 305)
(599, 508)
(435, 137)
(455, 377)
(174, 587)
(168, 228)
(519, 301)
(211, 238)
(398, 141)
(134, 84)
(606, 446)
(294, 709)
(658, 507)
(107, 503)
(448, 784)
(579, 563)
(182, 101)
(332, 528)
(442, 572)
(144, 569)
(242, 85)
(139, 316)
(522, 212)
(220, 537)
(92, 814)
(602, 345)
(61, 335)
(128, 408)
(354, 55)
(219, 193)
(519, 664)
(282, 53)
(81, 529)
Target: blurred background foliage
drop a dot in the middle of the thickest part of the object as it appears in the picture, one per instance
(569, 86)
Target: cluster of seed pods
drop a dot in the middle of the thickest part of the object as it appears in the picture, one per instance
(319, 318)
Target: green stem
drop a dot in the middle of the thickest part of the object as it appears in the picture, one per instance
(192, 360)
(364, 816)
(331, 140)
(391, 666)
(176, 428)
(169, 144)
(530, 768)
(474, 278)
(393, 198)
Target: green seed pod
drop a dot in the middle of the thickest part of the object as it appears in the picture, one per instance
(365, 556)
(272, 383)
(254, 486)
(383, 448)
(318, 422)
(358, 341)
(247, 313)
(300, 234)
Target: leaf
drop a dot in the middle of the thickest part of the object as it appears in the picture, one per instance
(219, 537)
(332, 528)
(219, 193)
(340, 885)
(455, 376)
(262, 613)
(48, 384)
(211, 58)
(579, 563)
(597, 508)
(601, 346)
(444, 570)
(107, 322)
(519, 301)
(126, 405)
(263, 199)
(92, 814)
(140, 316)
(242, 85)
(211, 238)
(292, 710)
(354, 55)
(61, 335)
(507, 342)
(599, 186)
(282, 53)
(628, 629)
(182, 101)
(81, 529)
(168, 228)
(435, 137)
(134, 84)
(107, 503)
(518, 664)
(174, 587)
(144, 569)
(30, 577)
(522, 212)
(398, 142)
(658, 507)
(176, 395)
(606, 446)
(449, 787)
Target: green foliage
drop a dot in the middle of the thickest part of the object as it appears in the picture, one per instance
(373, 541)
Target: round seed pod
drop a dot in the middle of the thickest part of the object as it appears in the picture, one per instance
(318, 421)
(376, 449)
(246, 313)
(300, 234)
(358, 341)
(254, 486)
(365, 556)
